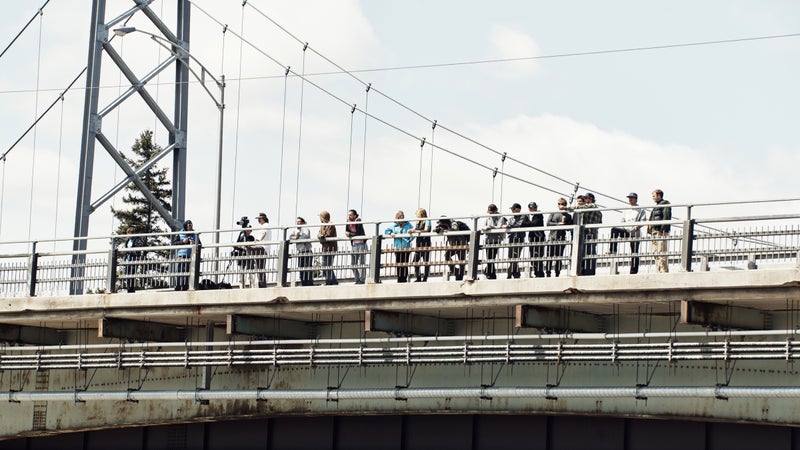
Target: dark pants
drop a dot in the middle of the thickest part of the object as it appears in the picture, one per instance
(307, 275)
(590, 264)
(491, 255)
(513, 254)
(330, 274)
(401, 257)
(554, 253)
(130, 270)
(456, 269)
(182, 282)
(422, 255)
(537, 251)
(617, 233)
(260, 263)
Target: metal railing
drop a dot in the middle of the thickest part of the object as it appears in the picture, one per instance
(694, 244)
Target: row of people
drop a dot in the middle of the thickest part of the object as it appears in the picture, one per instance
(404, 233)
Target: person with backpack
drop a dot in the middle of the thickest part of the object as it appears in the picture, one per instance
(457, 245)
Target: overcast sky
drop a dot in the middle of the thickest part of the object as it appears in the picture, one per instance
(704, 123)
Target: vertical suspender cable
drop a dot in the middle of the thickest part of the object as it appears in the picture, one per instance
(502, 175)
(430, 181)
(238, 109)
(35, 115)
(350, 158)
(283, 142)
(364, 153)
(419, 182)
(300, 130)
(58, 170)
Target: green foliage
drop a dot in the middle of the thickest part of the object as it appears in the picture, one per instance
(139, 213)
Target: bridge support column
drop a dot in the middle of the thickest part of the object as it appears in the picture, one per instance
(687, 245)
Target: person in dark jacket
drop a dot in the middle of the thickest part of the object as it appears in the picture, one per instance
(355, 231)
(130, 258)
(456, 245)
(516, 239)
(536, 238)
(660, 231)
(557, 237)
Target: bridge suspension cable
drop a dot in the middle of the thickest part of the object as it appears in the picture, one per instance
(364, 151)
(299, 132)
(38, 13)
(35, 114)
(283, 143)
(238, 110)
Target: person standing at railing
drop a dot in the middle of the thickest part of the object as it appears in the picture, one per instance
(355, 231)
(262, 235)
(589, 215)
(630, 232)
(400, 231)
(456, 245)
(536, 237)
(492, 228)
(556, 238)
(244, 255)
(423, 245)
(515, 239)
(304, 258)
(660, 233)
(329, 247)
(186, 237)
(130, 257)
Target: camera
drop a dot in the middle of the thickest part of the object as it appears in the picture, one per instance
(243, 222)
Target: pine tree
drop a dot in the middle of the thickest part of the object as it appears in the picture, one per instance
(141, 215)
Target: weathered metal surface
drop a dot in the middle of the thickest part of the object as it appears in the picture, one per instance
(561, 319)
(406, 324)
(136, 330)
(724, 316)
(268, 326)
(34, 335)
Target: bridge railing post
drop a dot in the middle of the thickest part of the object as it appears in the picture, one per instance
(33, 262)
(375, 259)
(111, 276)
(578, 252)
(473, 253)
(283, 261)
(194, 267)
(687, 245)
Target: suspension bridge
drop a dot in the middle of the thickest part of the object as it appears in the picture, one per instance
(100, 347)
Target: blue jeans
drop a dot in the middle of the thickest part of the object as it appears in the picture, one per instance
(359, 257)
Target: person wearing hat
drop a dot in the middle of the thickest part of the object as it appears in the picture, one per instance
(515, 239)
(262, 234)
(535, 237)
(631, 215)
(187, 237)
(494, 238)
(244, 258)
(589, 216)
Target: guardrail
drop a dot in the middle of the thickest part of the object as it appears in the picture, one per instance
(694, 244)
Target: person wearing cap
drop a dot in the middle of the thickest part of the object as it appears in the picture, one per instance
(263, 236)
(632, 215)
(589, 215)
(244, 257)
(660, 212)
(355, 231)
(556, 248)
(515, 239)
(329, 247)
(535, 237)
(187, 236)
(492, 226)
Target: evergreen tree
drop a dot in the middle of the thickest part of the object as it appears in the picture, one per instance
(141, 215)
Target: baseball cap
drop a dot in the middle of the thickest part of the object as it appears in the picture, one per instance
(588, 195)
(532, 205)
(516, 206)
(633, 195)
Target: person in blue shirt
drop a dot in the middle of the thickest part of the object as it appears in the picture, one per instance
(402, 244)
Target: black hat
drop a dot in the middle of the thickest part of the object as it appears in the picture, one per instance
(516, 206)
(588, 195)
(633, 195)
(532, 205)
(262, 215)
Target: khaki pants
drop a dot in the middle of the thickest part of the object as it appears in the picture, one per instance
(660, 246)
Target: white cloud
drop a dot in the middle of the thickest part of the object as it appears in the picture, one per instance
(510, 43)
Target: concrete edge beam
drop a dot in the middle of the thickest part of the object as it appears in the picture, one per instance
(720, 315)
(269, 327)
(561, 319)
(137, 330)
(407, 324)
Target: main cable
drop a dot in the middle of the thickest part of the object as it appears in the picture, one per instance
(25, 27)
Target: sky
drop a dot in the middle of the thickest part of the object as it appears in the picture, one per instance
(704, 123)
